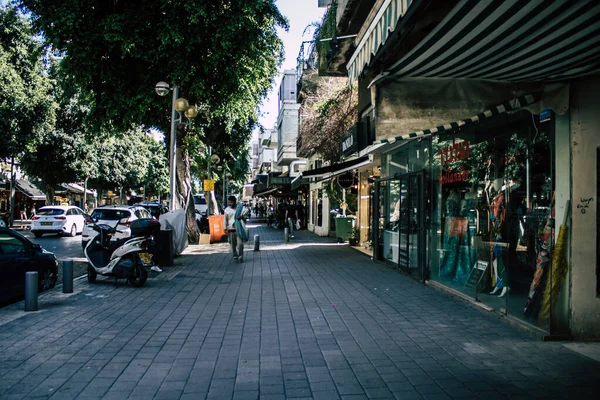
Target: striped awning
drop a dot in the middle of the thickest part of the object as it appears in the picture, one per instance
(384, 23)
(509, 40)
(519, 102)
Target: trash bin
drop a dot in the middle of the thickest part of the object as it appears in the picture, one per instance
(217, 229)
(343, 228)
(164, 243)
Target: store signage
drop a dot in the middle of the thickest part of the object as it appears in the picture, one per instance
(346, 180)
(209, 185)
(349, 142)
(455, 152)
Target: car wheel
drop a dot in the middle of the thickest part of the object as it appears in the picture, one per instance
(47, 280)
(92, 274)
(139, 275)
(37, 234)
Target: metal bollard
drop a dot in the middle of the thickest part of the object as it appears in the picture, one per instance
(31, 291)
(256, 242)
(286, 235)
(68, 276)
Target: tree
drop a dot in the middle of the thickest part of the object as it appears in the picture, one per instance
(25, 108)
(222, 54)
(329, 109)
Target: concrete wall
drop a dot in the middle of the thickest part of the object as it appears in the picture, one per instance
(585, 139)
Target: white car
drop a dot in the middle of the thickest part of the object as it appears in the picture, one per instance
(110, 215)
(60, 220)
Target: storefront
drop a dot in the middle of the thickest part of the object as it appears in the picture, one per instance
(472, 209)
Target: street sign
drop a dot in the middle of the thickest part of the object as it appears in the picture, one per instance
(209, 185)
(346, 180)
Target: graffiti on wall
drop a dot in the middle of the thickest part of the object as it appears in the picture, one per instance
(585, 203)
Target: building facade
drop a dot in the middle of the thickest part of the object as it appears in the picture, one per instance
(483, 176)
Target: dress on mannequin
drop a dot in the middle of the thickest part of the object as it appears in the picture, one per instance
(497, 215)
(456, 259)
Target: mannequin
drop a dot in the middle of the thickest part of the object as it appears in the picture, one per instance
(497, 215)
(455, 262)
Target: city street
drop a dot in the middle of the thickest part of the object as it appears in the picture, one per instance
(307, 319)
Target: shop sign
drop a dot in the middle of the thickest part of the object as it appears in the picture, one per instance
(349, 143)
(209, 185)
(454, 152)
(346, 180)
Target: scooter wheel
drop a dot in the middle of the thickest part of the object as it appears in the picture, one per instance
(92, 274)
(139, 276)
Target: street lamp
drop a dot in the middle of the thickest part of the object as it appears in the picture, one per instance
(180, 105)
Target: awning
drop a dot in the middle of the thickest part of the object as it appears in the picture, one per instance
(27, 188)
(519, 102)
(298, 182)
(384, 23)
(510, 40)
(337, 169)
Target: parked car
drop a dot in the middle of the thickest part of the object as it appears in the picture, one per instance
(155, 209)
(19, 255)
(200, 203)
(111, 215)
(60, 220)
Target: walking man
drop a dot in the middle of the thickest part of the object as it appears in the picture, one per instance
(291, 216)
(235, 223)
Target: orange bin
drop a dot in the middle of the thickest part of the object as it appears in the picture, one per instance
(216, 226)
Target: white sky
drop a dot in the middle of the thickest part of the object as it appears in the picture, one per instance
(299, 13)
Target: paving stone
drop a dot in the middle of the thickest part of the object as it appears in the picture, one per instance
(206, 328)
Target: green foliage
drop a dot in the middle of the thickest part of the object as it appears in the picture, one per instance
(222, 54)
(25, 109)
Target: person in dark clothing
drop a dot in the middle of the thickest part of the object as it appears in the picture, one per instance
(291, 216)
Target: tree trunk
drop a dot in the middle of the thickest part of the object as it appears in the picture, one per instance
(50, 190)
(184, 196)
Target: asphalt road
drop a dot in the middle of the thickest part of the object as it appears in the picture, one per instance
(64, 248)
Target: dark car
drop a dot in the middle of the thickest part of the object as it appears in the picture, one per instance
(155, 209)
(19, 255)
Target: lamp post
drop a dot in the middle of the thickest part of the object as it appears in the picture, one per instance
(179, 105)
(226, 184)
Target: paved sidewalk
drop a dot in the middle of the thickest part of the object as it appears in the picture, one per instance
(306, 319)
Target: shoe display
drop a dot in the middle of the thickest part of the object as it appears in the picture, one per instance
(155, 268)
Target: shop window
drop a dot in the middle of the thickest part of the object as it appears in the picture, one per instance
(493, 216)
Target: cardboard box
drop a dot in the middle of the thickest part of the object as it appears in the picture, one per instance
(204, 238)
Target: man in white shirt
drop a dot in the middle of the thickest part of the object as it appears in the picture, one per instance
(236, 232)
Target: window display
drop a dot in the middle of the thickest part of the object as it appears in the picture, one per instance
(493, 205)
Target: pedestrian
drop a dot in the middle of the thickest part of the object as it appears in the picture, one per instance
(32, 212)
(23, 213)
(235, 223)
(300, 213)
(270, 214)
(291, 216)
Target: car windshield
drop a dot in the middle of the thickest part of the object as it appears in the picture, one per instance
(112, 215)
(153, 209)
(51, 211)
(199, 200)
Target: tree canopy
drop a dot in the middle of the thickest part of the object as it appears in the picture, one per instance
(25, 108)
(222, 54)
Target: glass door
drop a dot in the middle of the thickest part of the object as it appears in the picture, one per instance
(400, 238)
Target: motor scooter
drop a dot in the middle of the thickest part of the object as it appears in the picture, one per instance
(129, 258)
